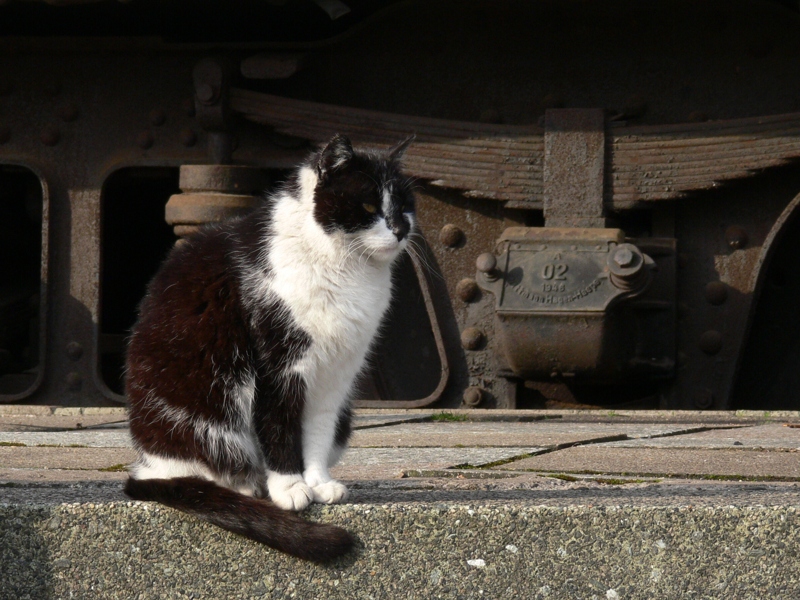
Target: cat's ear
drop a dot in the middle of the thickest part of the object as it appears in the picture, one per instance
(397, 152)
(337, 153)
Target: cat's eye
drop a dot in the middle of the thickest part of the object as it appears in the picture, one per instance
(370, 208)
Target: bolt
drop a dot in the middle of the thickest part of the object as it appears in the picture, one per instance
(467, 289)
(206, 93)
(471, 338)
(451, 236)
(623, 257)
(74, 351)
(50, 135)
(5, 133)
(703, 398)
(473, 396)
(158, 117)
(145, 140)
(711, 342)
(74, 381)
(716, 293)
(69, 112)
(736, 237)
(188, 138)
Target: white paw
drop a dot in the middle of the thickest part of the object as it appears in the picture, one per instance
(289, 492)
(330, 492)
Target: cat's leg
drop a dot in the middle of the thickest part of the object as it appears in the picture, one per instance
(325, 433)
(344, 429)
(278, 427)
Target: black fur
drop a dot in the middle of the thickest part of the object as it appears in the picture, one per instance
(259, 520)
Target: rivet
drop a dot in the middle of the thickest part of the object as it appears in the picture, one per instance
(74, 381)
(158, 117)
(450, 235)
(145, 140)
(5, 133)
(736, 237)
(473, 396)
(188, 137)
(69, 112)
(487, 263)
(74, 351)
(711, 342)
(703, 398)
(716, 293)
(50, 135)
(471, 338)
(52, 89)
(467, 289)
(206, 93)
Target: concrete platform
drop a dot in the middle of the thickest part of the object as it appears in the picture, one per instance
(462, 504)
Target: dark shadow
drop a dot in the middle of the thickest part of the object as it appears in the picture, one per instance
(21, 201)
(769, 376)
(135, 239)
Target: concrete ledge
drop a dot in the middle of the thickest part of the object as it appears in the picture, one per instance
(407, 550)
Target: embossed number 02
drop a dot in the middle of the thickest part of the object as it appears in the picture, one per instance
(556, 271)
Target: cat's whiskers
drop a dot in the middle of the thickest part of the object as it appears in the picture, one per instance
(416, 249)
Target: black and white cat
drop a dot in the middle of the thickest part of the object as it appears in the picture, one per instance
(249, 340)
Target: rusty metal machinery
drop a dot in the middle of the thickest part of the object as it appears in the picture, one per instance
(635, 253)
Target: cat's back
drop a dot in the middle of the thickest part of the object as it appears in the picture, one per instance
(191, 317)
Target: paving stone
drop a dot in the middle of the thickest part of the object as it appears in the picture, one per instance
(92, 438)
(428, 458)
(363, 420)
(771, 436)
(55, 476)
(64, 458)
(537, 433)
(672, 461)
(13, 422)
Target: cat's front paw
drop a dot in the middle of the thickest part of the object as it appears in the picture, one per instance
(331, 492)
(289, 492)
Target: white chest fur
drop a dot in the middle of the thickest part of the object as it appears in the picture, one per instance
(334, 292)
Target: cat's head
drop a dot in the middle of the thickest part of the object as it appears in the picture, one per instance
(364, 196)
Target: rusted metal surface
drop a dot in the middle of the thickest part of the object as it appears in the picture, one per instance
(574, 167)
(685, 115)
(556, 290)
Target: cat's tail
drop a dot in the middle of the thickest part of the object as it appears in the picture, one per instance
(260, 520)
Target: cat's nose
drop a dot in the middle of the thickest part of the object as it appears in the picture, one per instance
(400, 230)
